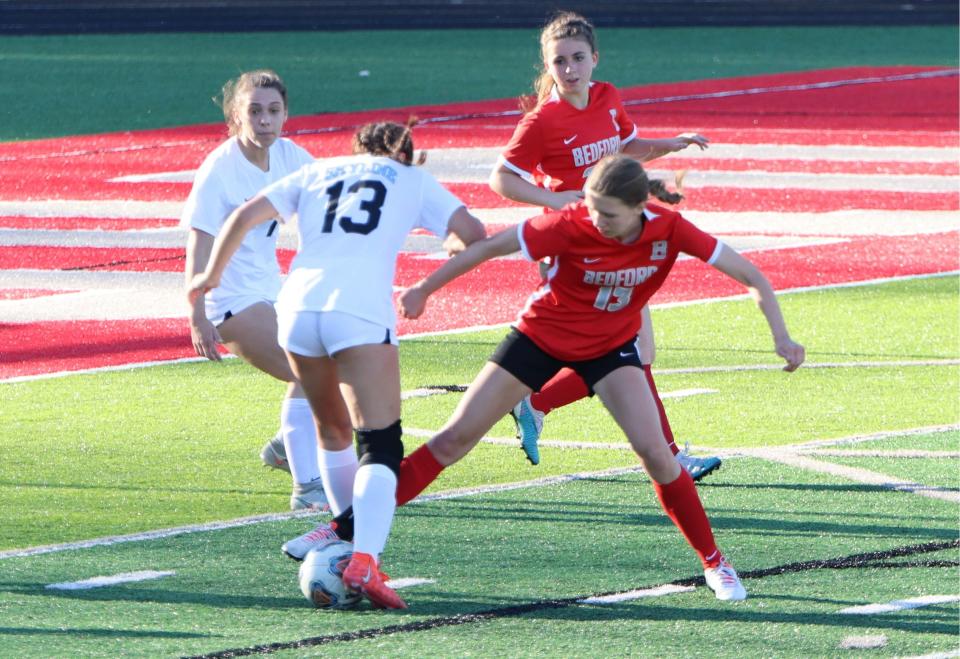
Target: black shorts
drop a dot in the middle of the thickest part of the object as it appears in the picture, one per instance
(525, 360)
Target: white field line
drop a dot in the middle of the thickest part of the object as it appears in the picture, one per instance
(855, 474)
(113, 580)
(904, 453)
(408, 582)
(419, 393)
(872, 437)
(935, 655)
(808, 289)
(806, 448)
(658, 591)
(440, 496)
(277, 517)
(809, 365)
(153, 535)
(899, 605)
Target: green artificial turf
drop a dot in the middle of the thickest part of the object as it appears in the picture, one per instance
(77, 84)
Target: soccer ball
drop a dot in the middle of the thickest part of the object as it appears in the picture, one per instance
(321, 576)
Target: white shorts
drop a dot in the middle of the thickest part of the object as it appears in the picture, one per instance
(325, 333)
(224, 309)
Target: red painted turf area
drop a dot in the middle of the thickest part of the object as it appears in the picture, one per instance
(492, 294)
(920, 112)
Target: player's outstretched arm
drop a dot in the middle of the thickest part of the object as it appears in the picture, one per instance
(646, 150)
(734, 265)
(413, 300)
(255, 211)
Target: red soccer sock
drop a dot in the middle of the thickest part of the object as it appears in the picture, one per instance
(682, 505)
(664, 423)
(564, 388)
(417, 471)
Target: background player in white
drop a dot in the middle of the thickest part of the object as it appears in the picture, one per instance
(573, 123)
(240, 312)
(336, 310)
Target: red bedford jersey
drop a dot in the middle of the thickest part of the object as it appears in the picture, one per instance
(597, 286)
(556, 145)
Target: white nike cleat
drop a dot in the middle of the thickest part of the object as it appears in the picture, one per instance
(724, 582)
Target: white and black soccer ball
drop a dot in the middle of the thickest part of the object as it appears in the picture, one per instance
(321, 576)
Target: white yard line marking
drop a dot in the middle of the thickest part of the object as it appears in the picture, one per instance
(855, 474)
(658, 591)
(277, 517)
(152, 535)
(113, 208)
(808, 365)
(936, 655)
(872, 437)
(450, 494)
(408, 582)
(113, 580)
(899, 605)
(686, 393)
(904, 453)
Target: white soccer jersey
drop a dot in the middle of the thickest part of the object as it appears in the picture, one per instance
(225, 180)
(354, 214)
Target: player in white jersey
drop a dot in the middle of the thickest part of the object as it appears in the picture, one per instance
(336, 308)
(240, 312)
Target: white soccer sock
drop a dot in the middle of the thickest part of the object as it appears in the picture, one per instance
(374, 502)
(338, 469)
(300, 439)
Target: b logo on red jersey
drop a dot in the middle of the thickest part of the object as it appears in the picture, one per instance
(658, 250)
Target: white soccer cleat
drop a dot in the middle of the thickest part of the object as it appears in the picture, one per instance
(321, 536)
(724, 582)
(529, 422)
(697, 467)
(274, 455)
(309, 496)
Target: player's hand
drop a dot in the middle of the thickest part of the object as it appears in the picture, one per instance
(686, 139)
(453, 245)
(412, 302)
(205, 338)
(792, 352)
(561, 199)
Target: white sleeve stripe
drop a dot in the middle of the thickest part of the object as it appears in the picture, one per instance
(523, 245)
(716, 253)
(522, 173)
(631, 137)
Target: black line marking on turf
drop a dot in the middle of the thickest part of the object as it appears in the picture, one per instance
(181, 257)
(869, 559)
(452, 388)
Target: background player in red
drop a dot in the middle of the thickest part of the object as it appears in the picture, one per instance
(574, 122)
(612, 252)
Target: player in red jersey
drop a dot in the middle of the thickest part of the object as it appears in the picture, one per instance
(574, 123)
(612, 252)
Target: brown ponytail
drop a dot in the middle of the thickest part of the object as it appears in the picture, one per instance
(624, 178)
(387, 138)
